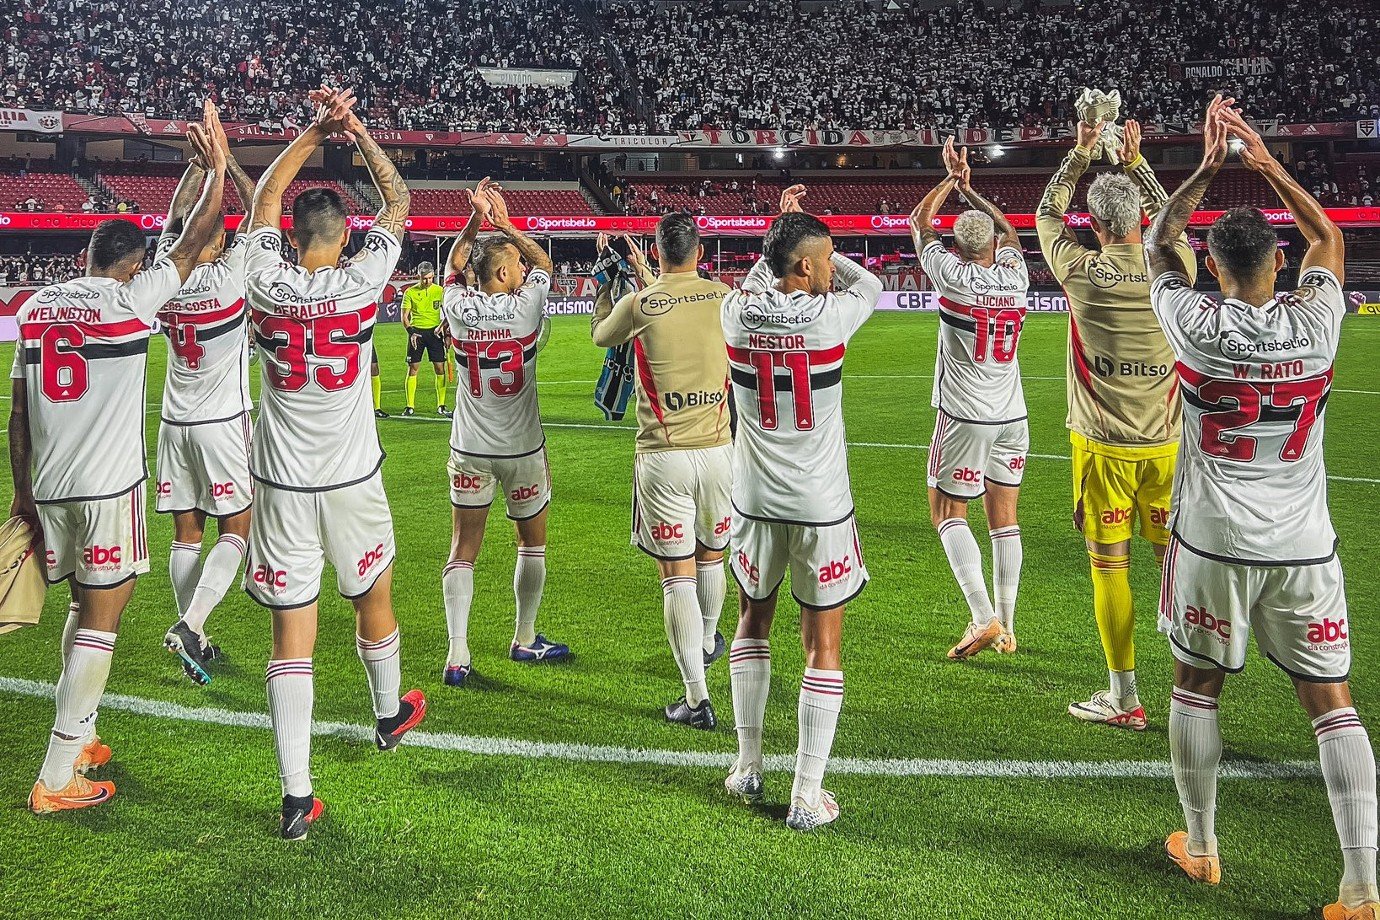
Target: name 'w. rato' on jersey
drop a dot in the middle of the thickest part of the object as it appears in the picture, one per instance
(981, 312)
(785, 354)
(208, 360)
(82, 353)
(495, 342)
(315, 336)
(1251, 484)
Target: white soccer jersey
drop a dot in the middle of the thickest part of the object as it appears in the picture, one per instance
(208, 343)
(785, 352)
(1251, 485)
(82, 353)
(495, 342)
(315, 336)
(981, 311)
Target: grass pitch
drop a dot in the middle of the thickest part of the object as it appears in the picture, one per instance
(440, 833)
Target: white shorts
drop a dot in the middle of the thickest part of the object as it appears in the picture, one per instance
(1298, 614)
(525, 481)
(680, 498)
(293, 534)
(826, 562)
(100, 543)
(205, 467)
(965, 456)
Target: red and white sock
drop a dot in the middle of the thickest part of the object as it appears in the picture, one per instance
(529, 579)
(1348, 766)
(457, 588)
(382, 660)
(290, 699)
(681, 613)
(1195, 749)
(184, 570)
(965, 559)
(821, 698)
(79, 692)
(711, 584)
(217, 575)
(749, 674)
(1007, 556)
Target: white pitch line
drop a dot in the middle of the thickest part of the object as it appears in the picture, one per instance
(601, 753)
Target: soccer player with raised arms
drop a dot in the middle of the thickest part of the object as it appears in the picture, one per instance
(76, 434)
(1253, 550)
(496, 440)
(317, 461)
(682, 471)
(787, 331)
(981, 437)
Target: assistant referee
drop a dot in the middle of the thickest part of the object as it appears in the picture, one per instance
(421, 316)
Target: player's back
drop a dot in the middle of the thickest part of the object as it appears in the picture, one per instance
(315, 335)
(82, 352)
(977, 377)
(495, 341)
(1251, 482)
(208, 348)
(785, 355)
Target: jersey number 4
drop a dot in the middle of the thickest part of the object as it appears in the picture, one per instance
(1223, 429)
(505, 355)
(330, 338)
(182, 340)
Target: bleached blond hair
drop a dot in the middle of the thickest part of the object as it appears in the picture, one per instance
(974, 231)
(1115, 201)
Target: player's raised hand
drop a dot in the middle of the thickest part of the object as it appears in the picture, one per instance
(601, 242)
(790, 199)
(201, 142)
(918, 221)
(498, 208)
(635, 255)
(334, 108)
(215, 135)
(1087, 134)
(1253, 153)
(1215, 133)
(1130, 143)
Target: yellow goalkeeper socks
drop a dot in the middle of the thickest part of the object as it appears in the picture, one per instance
(1115, 609)
(377, 383)
(411, 391)
(440, 390)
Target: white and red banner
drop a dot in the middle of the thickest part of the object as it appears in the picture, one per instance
(29, 120)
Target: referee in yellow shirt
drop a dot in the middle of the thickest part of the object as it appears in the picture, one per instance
(1123, 396)
(421, 317)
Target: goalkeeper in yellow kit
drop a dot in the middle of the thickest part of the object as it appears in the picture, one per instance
(1123, 395)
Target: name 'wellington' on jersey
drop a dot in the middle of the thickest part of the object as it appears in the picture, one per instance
(981, 312)
(82, 353)
(495, 342)
(315, 336)
(785, 354)
(208, 360)
(1251, 485)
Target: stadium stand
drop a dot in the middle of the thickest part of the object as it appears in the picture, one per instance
(524, 201)
(38, 188)
(151, 186)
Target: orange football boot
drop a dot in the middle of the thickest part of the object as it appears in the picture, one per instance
(1205, 869)
(79, 793)
(1367, 911)
(975, 639)
(96, 754)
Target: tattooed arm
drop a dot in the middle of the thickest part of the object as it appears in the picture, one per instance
(1161, 253)
(397, 200)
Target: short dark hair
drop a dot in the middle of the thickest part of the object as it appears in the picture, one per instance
(677, 238)
(114, 242)
(787, 235)
(1242, 242)
(317, 214)
(489, 255)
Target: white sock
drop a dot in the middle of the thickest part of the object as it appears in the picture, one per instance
(1123, 689)
(1007, 555)
(382, 660)
(529, 578)
(1348, 766)
(217, 575)
(457, 587)
(711, 585)
(1195, 748)
(78, 694)
(681, 611)
(821, 698)
(184, 570)
(69, 629)
(290, 697)
(966, 561)
(749, 676)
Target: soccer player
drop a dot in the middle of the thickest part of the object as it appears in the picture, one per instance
(1253, 549)
(786, 331)
(376, 386)
(980, 437)
(203, 442)
(316, 457)
(421, 316)
(1123, 396)
(682, 470)
(76, 436)
(496, 440)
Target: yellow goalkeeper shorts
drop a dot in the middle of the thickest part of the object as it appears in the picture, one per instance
(1114, 486)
